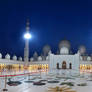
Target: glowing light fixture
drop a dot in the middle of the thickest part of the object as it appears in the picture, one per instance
(27, 35)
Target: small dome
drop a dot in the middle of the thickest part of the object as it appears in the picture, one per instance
(31, 59)
(82, 50)
(0, 56)
(35, 56)
(47, 58)
(20, 58)
(7, 56)
(46, 49)
(88, 58)
(64, 50)
(14, 57)
(64, 43)
(39, 58)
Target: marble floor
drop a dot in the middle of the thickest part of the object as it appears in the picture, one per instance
(29, 87)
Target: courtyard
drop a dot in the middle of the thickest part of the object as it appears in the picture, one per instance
(43, 81)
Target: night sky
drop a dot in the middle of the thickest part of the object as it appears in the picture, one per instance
(50, 22)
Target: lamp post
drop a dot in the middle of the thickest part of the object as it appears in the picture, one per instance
(5, 83)
(27, 36)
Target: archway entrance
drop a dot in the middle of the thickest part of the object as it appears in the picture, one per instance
(70, 66)
(64, 65)
(57, 65)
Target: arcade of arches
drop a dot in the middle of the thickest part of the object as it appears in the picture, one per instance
(85, 67)
(82, 66)
(17, 67)
(64, 65)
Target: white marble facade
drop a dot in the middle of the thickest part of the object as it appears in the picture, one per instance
(64, 59)
(68, 59)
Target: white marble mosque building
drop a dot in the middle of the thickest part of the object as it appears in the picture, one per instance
(63, 59)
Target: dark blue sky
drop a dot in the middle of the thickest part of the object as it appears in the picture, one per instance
(51, 21)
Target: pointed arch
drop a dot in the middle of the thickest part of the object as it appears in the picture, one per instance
(57, 65)
(70, 65)
(64, 65)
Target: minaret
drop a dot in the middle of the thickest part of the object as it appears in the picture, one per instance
(26, 49)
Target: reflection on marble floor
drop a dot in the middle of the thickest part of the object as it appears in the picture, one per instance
(79, 83)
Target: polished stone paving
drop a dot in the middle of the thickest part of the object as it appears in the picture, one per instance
(29, 87)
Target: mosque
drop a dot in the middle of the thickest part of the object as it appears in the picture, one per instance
(63, 59)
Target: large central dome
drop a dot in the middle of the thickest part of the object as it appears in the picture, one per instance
(64, 51)
(64, 43)
(82, 49)
(64, 47)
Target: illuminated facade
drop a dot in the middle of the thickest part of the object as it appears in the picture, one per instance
(8, 64)
(61, 61)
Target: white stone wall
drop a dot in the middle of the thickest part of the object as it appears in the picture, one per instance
(54, 59)
(10, 62)
(85, 62)
(38, 62)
